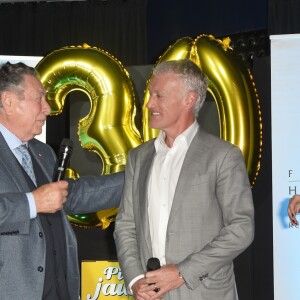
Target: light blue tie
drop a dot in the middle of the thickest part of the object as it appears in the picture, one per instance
(26, 162)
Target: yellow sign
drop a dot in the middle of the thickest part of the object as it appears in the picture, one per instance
(102, 280)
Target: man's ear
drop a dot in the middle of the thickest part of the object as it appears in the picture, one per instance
(191, 99)
(6, 99)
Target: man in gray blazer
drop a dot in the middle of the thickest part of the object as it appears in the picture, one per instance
(186, 201)
(38, 250)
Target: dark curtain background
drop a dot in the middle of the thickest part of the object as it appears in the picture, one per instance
(37, 28)
(284, 16)
(169, 20)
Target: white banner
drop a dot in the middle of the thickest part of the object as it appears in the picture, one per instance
(285, 94)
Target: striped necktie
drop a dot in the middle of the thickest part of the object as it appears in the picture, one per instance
(26, 161)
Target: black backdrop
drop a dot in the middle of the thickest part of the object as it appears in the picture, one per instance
(37, 28)
(137, 32)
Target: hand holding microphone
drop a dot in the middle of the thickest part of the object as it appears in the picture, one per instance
(50, 197)
(169, 278)
(153, 264)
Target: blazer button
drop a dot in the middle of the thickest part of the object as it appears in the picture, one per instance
(40, 269)
(201, 278)
(40, 234)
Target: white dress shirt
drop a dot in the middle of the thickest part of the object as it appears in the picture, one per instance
(162, 184)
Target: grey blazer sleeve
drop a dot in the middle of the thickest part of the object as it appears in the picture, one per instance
(93, 193)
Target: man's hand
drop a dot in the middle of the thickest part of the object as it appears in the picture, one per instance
(164, 279)
(49, 198)
(293, 208)
(139, 291)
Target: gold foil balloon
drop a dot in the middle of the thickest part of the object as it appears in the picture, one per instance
(233, 89)
(109, 128)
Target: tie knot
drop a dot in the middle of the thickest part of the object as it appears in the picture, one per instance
(23, 149)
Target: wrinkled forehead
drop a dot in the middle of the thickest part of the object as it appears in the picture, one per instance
(32, 83)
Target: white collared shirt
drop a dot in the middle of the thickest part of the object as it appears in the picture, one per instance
(162, 184)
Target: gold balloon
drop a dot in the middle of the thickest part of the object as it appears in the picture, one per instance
(107, 84)
(109, 128)
(233, 89)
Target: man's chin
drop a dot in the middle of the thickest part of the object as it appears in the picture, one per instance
(154, 125)
(38, 131)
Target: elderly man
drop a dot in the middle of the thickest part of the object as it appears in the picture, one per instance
(38, 250)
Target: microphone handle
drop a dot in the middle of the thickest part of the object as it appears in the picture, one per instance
(61, 169)
(66, 149)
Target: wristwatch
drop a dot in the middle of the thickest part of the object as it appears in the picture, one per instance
(181, 276)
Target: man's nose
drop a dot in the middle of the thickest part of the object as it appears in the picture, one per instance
(150, 102)
(46, 107)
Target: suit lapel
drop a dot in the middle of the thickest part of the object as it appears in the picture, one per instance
(13, 168)
(40, 158)
(146, 164)
(191, 165)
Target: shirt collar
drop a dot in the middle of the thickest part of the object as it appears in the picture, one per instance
(12, 141)
(185, 137)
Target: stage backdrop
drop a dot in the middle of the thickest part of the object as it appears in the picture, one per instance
(285, 91)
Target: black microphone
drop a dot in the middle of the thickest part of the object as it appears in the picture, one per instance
(65, 151)
(153, 264)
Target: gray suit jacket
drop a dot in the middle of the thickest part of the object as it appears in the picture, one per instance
(211, 219)
(22, 250)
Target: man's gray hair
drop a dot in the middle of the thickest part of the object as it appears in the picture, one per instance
(192, 77)
(12, 77)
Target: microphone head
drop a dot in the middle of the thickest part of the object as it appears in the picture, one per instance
(153, 264)
(65, 151)
(66, 146)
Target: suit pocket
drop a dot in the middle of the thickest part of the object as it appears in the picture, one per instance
(223, 278)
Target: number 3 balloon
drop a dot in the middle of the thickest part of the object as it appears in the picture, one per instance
(109, 128)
